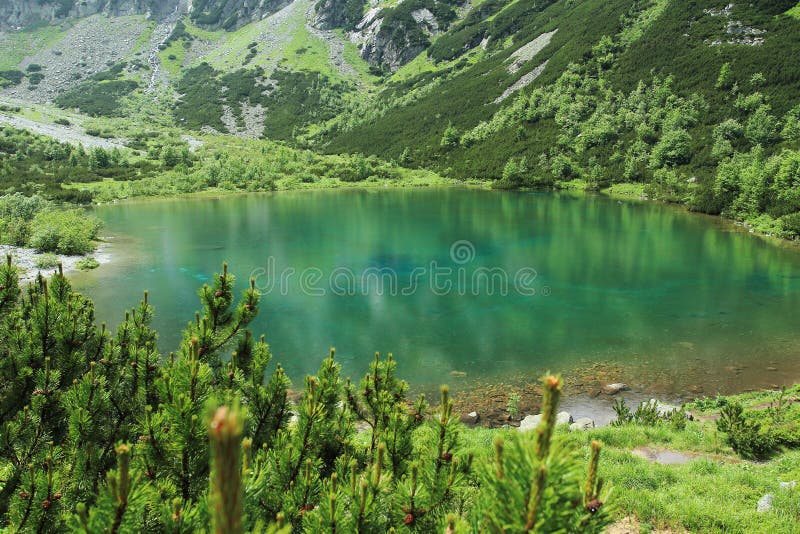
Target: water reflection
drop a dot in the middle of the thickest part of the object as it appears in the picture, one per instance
(628, 282)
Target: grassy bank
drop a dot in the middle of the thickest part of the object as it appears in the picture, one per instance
(709, 488)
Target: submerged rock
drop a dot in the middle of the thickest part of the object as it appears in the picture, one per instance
(613, 389)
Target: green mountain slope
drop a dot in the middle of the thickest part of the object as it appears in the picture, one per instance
(678, 98)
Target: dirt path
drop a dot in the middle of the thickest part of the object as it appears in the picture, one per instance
(66, 134)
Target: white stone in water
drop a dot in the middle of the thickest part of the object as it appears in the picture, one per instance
(764, 504)
(613, 389)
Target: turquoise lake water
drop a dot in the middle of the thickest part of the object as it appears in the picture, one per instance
(453, 281)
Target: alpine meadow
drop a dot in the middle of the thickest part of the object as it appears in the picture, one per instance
(555, 244)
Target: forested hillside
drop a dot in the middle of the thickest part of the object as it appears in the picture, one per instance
(695, 102)
(686, 102)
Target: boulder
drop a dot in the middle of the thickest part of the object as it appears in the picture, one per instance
(470, 419)
(788, 485)
(613, 389)
(764, 504)
(563, 418)
(582, 423)
(532, 421)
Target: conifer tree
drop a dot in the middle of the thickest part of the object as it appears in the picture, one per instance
(101, 434)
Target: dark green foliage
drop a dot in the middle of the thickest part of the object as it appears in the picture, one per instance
(197, 106)
(112, 73)
(37, 223)
(297, 100)
(467, 34)
(35, 78)
(758, 434)
(745, 434)
(179, 33)
(535, 485)
(648, 414)
(97, 98)
(33, 164)
(651, 92)
(301, 99)
(9, 78)
(99, 433)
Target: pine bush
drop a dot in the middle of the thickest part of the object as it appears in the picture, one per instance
(101, 433)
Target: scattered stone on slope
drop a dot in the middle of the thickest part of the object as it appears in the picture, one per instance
(524, 81)
(528, 51)
(90, 46)
(65, 134)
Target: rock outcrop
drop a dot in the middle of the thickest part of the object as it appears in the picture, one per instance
(213, 14)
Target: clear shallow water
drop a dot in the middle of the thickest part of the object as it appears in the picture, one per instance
(679, 297)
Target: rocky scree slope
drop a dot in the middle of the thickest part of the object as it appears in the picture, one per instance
(212, 14)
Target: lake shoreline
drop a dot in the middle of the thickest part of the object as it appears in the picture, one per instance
(590, 391)
(489, 397)
(25, 260)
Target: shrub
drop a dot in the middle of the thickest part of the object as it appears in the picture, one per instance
(46, 261)
(744, 434)
(762, 127)
(450, 136)
(87, 264)
(673, 148)
(648, 414)
(140, 443)
(64, 231)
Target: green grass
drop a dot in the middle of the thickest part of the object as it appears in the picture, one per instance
(626, 190)
(16, 45)
(795, 11)
(353, 57)
(715, 492)
(176, 50)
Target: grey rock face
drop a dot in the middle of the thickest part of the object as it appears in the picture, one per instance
(15, 14)
(330, 14)
(231, 14)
